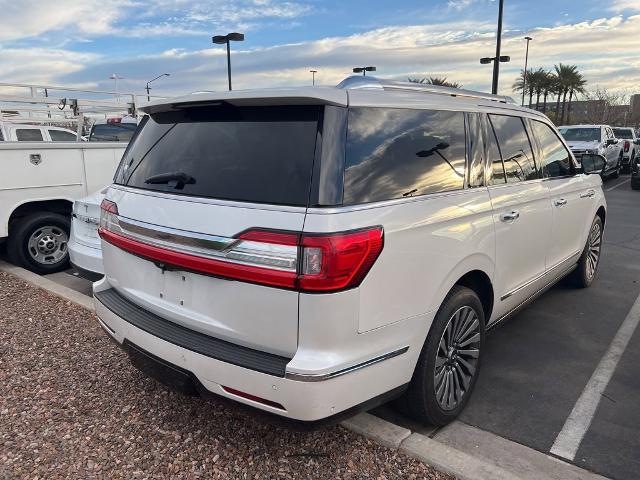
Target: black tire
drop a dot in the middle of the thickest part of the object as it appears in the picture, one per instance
(583, 275)
(635, 185)
(616, 171)
(420, 400)
(21, 232)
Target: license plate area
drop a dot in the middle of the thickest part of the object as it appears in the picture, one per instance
(169, 375)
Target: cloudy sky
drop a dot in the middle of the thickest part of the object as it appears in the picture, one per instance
(83, 42)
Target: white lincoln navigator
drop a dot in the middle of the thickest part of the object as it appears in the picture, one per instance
(309, 251)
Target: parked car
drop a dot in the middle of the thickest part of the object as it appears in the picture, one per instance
(113, 130)
(630, 145)
(84, 243)
(39, 182)
(597, 139)
(22, 132)
(635, 173)
(307, 251)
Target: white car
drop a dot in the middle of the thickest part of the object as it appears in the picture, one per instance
(22, 132)
(85, 253)
(306, 251)
(630, 146)
(595, 139)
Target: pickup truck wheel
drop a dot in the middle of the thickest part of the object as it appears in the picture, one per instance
(449, 362)
(585, 272)
(38, 242)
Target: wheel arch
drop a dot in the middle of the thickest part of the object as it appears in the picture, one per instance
(62, 206)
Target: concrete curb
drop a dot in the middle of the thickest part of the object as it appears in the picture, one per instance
(442, 457)
(48, 285)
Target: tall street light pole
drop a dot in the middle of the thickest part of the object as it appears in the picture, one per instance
(227, 39)
(364, 70)
(313, 76)
(148, 88)
(524, 76)
(496, 64)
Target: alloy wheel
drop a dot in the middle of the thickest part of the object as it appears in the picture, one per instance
(457, 358)
(593, 252)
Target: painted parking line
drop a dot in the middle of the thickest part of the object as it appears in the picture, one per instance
(617, 185)
(568, 440)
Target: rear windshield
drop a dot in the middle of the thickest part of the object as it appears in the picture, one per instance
(581, 134)
(112, 132)
(249, 154)
(625, 133)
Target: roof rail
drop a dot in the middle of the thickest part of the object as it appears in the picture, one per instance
(357, 82)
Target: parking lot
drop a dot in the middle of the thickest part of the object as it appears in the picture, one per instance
(538, 364)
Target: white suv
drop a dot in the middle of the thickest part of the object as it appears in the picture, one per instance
(596, 139)
(310, 250)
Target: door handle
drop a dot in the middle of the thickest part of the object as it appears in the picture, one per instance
(588, 194)
(559, 202)
(510, 217)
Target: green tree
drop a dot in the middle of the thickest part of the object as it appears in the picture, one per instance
(440, 81)
(569, 82)
(524, 82)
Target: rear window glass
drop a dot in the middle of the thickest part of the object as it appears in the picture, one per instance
(516, 151)
(112, 132)
(580, 134)
(398, 153)
(62, 136)
(249, 154)
(625, 133)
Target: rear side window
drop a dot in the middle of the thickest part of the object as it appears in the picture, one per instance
(249, 154)
(112, 132)
(476, 151)
(624, 133)
(62, 136)
(517, 154)
(556, 160)
(29, 135)
(397, 153)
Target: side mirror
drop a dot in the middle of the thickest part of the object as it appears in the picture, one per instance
(637, 141)
(610, 141)
(592, 163)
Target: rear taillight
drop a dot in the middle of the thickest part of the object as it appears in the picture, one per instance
(627, 145)
(292, 260)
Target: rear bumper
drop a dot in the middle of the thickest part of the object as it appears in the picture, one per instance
(307, 399)
(86, 258)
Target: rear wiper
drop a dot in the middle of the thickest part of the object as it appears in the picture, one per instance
(176, 180)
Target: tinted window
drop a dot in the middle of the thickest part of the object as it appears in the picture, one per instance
(62, 136)
(625, 133)
(1, 136)
(476, 151)
(396, 153)
(580, 134)
(556, 160)
(515, 148)
(252, 154)
(28, 134)
(112, 132)
(493, 154)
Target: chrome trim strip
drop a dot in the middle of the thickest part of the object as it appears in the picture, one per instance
(302, 377)
(535, 295)
(277, 257)
(538, 277)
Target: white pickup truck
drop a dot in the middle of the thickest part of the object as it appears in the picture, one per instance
(38, 184)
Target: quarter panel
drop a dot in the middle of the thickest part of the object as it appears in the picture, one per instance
(426, 239)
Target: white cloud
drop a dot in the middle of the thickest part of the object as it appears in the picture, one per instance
(605, 50)
(619, 6)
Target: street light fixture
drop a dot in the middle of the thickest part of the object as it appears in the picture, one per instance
(227, 39)
(364, 70)
(313, 76)
(148, 88)
(115, 77)
(526, 61)
(500, 58)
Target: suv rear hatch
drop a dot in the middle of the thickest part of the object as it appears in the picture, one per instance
(185, 223)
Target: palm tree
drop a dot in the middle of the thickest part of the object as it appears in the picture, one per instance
(537, 81)
(524, 82)
(441, 81)
(570, 82)
(548, 87)
(576, 86)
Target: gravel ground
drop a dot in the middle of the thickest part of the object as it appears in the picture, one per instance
(71, 406)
